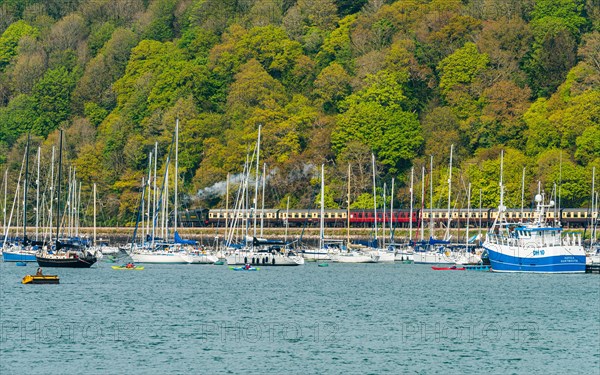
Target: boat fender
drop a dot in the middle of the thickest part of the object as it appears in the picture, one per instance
(447, 253)
(273, 261)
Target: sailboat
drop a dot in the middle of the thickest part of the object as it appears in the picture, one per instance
(157, 250)
(593, 252)
(353, 256)
(533, 247)
(327, 248)
(438, 251)
(20, 252)
(377, 253)
(71, 253)
(258, 250)
(404, 252)
(195, 254)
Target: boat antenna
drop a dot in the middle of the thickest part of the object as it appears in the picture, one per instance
(559, 191)
(499, 219)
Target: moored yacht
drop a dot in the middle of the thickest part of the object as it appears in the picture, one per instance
(356, 257)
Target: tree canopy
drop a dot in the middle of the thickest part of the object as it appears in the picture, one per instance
(327, 81)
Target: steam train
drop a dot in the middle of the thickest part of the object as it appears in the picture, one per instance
(570, 217)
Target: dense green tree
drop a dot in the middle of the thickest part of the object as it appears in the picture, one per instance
(460, 75)
(588, 145)
(17, 118)
(337, 46)
(332, 85)
(160, 27)
(10, 38)
(556, 25)
(375, 117)
(52, 95)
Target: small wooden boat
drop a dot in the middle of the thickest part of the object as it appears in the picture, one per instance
(244, 268)
(135, 268)
(453, 268)
(323, 264)
(40, 279)
(219, 263)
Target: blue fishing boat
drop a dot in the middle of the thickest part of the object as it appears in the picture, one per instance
(532, 247)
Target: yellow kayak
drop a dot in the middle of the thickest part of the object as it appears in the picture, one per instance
(136, 268)
(40, 279)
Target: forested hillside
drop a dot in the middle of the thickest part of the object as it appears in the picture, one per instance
(330, 81)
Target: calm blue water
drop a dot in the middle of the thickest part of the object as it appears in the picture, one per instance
(357, 319)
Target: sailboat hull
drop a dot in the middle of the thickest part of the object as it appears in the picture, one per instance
(18, 256)
(202, 258)
(315, 255)
(65, 261)
(356, 258)
(264, 259)
(384, 256)
(160, 258)
(429, 257)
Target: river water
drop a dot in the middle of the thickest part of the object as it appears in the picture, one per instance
(354, 319)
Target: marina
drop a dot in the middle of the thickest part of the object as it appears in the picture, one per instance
(287, 187)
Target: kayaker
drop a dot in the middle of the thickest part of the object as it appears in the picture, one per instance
(247, 266)
(39, 272)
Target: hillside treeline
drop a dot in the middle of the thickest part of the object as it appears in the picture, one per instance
(329, 81)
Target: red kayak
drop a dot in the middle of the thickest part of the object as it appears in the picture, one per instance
(453, 268)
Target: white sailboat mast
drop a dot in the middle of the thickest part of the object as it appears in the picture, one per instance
(348, 212)
(50, 216)
(431, 197)
(287, 219)
(78, 208)
(449, 194)
(593, 226)
(262, 210)
(392, 211)
(374, 202)
(422, 202)
(94, 214)
(468, 214)
(154, 204)
(255, 205)
(149, 188)
(5, 195)
(37, 200)
(322, 222)
(176, 176)
(410, 215)
(227, 204)
(383, 218)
